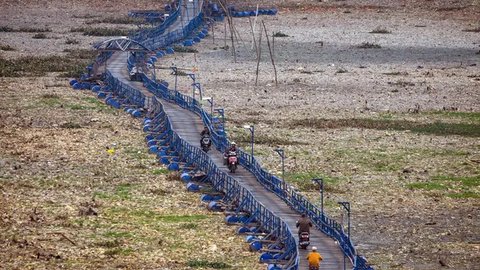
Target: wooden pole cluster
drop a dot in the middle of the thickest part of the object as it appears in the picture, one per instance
(259, 51)
(235, 36)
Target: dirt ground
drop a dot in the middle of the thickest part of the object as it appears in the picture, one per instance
(392, 129)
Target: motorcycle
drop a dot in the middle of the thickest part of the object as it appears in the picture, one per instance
(304, 240)
(232, 161)
(205, 143)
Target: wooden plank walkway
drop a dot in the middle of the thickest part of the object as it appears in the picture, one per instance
(189, 125)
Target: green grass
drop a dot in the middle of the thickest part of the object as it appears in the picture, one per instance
(464, 195)
(101, 195)
(123, 191)
(470, 116)
(160, 171)
(303, 180)
(109, 243)
(115, 234)
(183, 49)
(116, 20)
(468, 181)
(72, 63)
(207, 264)
(242, 137)
(50, 101)
(118, 251)
(458, 186)
(76, 107)
(136, 153)
(100, 31)
(385, 166)
(98, 105)
(436, 128)
(25, 29)
(70, 125)
(81, 53)
(427, 186)
(188, 226)
(168, 218)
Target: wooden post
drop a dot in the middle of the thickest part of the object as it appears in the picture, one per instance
(213, 31)
(253, 36)
(259, 55)
(273, 43)
(270, 50)
(225, 30)
(232, 31)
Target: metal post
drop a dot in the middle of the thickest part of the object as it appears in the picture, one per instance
(281, 153)
(154, 74)
(176, 79)
(211, 107)
(252, 137)
(192, 76)
(319, 182)
(175, 72)
(346, 205)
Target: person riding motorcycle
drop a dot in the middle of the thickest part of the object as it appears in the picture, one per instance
(303, 225)
(314, 259)
(205, 131)
(232, 148)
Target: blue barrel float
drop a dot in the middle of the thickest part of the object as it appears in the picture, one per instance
(153, 149)
(96, 88)
(173, 166)
(231, 219)
(193, 187)
(136, 113)
(265, 257)
(170, 50)
(185, 177)
(250, 238)
(77, 86)
(214, 206)
(243, 230)
(273, 267)
(188, 43)
(164, 160)
(255, 246)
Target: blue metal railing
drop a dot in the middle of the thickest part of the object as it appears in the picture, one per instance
(228, 185)
(221, 180)
(284, 191)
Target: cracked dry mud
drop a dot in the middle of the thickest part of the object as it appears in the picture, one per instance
(411, 208)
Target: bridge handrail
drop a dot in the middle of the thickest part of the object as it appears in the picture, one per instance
(234, 191)
(131, 95)
(142, 35)
(284, 191)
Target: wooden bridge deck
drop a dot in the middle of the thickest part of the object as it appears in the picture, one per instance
(189, 125)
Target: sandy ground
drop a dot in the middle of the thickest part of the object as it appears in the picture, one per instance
(426, 70)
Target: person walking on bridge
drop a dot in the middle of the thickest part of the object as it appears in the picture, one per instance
(314, 259)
